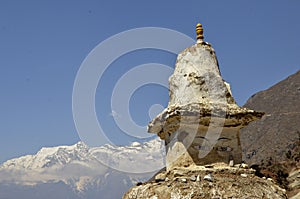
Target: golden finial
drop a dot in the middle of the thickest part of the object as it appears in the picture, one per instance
(199, 31)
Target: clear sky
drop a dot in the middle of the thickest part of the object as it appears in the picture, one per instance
(43, 43)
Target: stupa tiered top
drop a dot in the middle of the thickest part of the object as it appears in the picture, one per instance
(202, 121)
(199, 31)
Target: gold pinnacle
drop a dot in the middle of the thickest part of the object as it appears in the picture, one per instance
(199, 31)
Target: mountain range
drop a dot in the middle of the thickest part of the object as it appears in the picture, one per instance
(78, 171)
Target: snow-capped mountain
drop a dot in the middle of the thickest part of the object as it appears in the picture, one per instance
(78, 171)
(48, 157)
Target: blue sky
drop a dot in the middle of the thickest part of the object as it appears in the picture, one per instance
(43, 43)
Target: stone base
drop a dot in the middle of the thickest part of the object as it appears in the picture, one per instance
(212, 181)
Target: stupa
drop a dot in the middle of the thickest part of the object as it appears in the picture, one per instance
(202, 121)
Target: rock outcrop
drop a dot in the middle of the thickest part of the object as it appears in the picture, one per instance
(210, 181)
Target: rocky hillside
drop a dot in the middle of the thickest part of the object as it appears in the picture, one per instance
(271, 144)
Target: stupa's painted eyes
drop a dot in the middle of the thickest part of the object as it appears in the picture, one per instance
(207, 148)
(224, 148)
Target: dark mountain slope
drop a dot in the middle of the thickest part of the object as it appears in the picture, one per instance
(278, 131)
(272, 143)
(281, 98)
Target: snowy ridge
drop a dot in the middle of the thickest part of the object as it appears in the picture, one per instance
(48, 157)
(78, 171)
(81, 167)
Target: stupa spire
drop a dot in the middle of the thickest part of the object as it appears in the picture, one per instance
(199, 31)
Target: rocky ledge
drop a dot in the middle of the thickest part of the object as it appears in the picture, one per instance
(210, 181)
